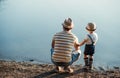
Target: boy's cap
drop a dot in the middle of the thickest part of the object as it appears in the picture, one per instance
(91, 27)
(68, 23)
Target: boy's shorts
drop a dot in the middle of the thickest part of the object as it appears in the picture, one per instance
(89, 50)
(75, 57)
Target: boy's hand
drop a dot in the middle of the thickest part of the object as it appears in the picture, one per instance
(83, 42)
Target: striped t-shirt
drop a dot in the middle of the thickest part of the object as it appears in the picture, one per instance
(64, 43)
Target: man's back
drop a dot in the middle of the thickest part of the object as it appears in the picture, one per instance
(64, 42)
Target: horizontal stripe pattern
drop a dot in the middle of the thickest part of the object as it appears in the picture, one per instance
(64, 43)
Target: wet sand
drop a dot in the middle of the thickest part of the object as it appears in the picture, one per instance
(12, 69)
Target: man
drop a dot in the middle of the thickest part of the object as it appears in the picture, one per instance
(62, 47)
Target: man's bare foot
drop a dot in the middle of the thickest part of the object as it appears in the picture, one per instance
(69, 69)
(59, 69)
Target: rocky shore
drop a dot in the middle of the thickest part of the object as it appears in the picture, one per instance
(12, 69)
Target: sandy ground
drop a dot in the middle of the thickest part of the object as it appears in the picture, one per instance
(12, 69)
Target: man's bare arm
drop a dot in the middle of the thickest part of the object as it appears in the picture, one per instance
(76, 45)
(53, 43)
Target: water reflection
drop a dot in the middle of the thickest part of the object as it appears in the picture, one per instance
(27, 27)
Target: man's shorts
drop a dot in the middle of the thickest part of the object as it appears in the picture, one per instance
(89, 50)
(75, 57)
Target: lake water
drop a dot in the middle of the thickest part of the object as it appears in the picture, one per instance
(27, 27)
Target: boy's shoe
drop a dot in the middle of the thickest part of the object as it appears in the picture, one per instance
(85, 68)
(90, 67)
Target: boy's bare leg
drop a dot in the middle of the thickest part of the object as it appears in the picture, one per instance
(86, 60)
(91, 62)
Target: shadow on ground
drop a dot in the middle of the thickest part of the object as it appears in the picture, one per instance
(53, 74)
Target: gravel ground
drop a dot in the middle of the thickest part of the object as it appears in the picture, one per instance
(12, 69)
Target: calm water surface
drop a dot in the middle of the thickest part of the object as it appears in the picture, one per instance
(27, 27)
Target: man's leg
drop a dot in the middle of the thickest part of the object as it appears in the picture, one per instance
(52, 51)
(75, 57)
(68, 69)
(58, 68)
